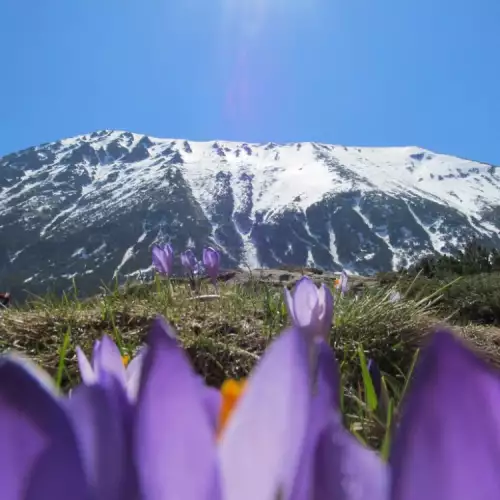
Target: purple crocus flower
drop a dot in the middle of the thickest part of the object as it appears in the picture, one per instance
(107, 361)
(163, 259)
(311, 308)
(211, 262)
(188, 260)
(342, 283)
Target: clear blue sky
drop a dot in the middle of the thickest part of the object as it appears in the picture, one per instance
(353, 72)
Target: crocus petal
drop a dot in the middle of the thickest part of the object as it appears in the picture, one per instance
(169, 257)
(188, 260)
(346, 470)
(334, 464)
(344, 285)
(159, 259)
(100, 428)
(311, 308)
(306, 302)
(86, 371)
(133, 374)
(327, 373)
(207, 258)
(39, 456)
(448, 443)
(174, 440)
(95, 354)
(163, 259)
(211, 261)
(260, 448)
(212, 400)
(108, 359)
(325, 401)
(343, 468)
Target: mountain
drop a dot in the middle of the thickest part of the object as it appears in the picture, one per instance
(90, 207)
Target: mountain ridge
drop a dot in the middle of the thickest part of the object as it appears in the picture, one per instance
(212, 140)
(91, 206)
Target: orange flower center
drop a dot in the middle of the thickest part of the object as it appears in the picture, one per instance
(231, 392)
(125, 359)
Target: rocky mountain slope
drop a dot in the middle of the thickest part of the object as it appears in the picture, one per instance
(90, 207)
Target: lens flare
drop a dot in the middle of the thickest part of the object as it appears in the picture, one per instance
(258, 31)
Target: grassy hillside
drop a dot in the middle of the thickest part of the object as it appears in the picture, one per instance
(225, 336)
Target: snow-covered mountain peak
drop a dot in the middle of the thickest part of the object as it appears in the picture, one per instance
(98, 201)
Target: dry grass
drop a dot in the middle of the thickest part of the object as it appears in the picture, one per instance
(224, 337)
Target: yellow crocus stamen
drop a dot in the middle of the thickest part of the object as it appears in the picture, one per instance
(125, 359)
(231, 392)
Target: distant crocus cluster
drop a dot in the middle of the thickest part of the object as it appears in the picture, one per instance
(154, 431)
(163, 261)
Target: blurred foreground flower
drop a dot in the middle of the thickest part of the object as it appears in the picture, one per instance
(278, 435)
(163, 259)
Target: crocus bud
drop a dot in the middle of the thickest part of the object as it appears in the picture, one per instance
(343, 284)
(163, 259)
(211, 262)
(311, 308)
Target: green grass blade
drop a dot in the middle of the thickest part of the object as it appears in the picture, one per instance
(386, 443)
(370, 395)
(62, 357)
(410, 372)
